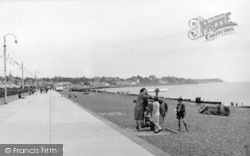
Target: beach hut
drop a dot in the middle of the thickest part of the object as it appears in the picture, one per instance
(8, 85)
(11, 85)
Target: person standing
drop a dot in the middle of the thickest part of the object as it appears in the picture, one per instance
(180, 113)
(163, 110)
(157, 90)
(139, 108)
(19, 94)
(156, 115)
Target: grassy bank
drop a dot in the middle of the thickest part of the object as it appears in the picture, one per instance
(12, 91)
(208, 135)
(11, 98)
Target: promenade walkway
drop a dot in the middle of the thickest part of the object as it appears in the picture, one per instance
(52, 119)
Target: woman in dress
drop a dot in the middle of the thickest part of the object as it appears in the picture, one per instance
(139, 108)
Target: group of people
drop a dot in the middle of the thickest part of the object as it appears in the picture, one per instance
(154, 108)
(44, 89)
(30, 92)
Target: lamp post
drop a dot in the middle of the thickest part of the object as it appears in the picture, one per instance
(36, 78)
(22, 77)
(4, 46)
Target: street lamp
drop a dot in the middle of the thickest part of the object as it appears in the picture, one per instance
(36, 78)
(4, 46)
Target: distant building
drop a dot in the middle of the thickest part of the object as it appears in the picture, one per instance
(118, 83)
(125, 83)
(163, 82)
(100, 84)
(8, 85)
(19, 82)
(63, 84)
(130, 82)
(14, 80)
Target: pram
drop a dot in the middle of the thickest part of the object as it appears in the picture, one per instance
(148, 108)
(147, 120)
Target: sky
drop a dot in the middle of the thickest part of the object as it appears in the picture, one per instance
(123, 38)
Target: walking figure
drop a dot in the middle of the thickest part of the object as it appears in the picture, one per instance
(180, 113)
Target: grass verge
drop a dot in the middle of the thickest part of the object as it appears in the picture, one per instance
(208, 134)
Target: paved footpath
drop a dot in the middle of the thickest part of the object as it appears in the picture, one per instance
(52, 119)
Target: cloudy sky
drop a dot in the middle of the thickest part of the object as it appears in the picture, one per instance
(124, 38)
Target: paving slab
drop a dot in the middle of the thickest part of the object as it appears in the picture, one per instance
(53, 119)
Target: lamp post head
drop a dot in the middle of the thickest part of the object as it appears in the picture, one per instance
(16, 41)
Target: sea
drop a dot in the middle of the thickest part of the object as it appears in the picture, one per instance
(225, 92)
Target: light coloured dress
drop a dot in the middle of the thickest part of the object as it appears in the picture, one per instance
(156, 115)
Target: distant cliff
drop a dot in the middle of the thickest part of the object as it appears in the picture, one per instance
(135, 80)
(170, 80)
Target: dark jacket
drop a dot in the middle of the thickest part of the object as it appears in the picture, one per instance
(180, 109)
(163, 108)
(140, 99)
